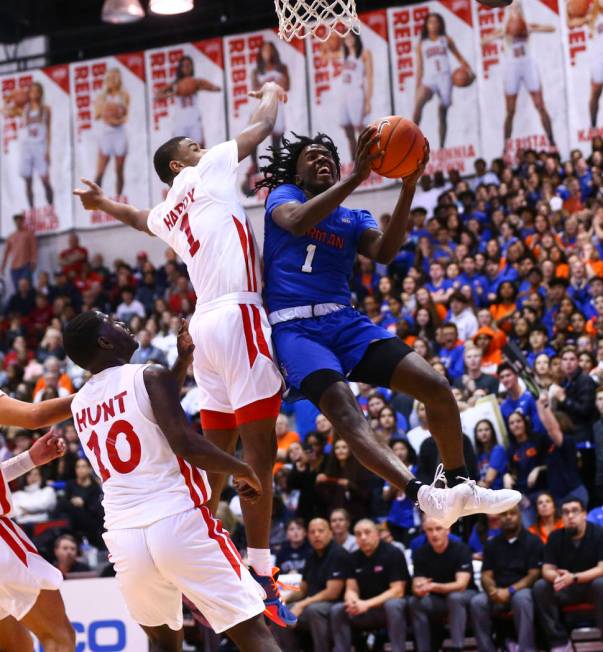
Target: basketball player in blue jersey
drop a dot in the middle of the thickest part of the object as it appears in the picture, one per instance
(321, 341)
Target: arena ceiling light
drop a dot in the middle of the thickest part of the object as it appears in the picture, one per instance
(122, 11)
(170, 6)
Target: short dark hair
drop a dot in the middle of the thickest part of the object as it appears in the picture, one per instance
(573, 499)
(79, 337)
(65, 537)
(162, 157)
(296, 520)
(19, 216)
(504, 366)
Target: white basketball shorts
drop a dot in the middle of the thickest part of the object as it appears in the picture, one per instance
(33, 159)
(351, 107)
(521, 70)
(23, 570)
(113, 141)
(189, 554)
(441, 85)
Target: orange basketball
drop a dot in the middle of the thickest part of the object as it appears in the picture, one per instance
(577, 8)
(113, 111)
(186, 86)
(462, 77)
(402, 144)
(516, 26)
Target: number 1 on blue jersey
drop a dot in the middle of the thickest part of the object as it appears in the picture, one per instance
(307, 266)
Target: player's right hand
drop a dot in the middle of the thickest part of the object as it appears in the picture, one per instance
(47, 448)
(362, 160)
(247, 484)
(270, 87)
(90, 197)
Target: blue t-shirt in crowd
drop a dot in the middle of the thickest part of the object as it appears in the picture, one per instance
(315, 267)
(453, 360)
(497, 459)
(526, 404)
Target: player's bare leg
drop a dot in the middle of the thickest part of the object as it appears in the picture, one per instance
(14, 637)
(593, 103)
(48, 621)
(545, 118)
(424, 94)
(29, 190)
(510, 105)
(225, 440)
(253, 636)
(442, 123)
(119, 174)
(48, 191)
(164, 639)
(101, 166)
(350, 134)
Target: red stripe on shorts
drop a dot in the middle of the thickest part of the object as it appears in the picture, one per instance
(186, 473)
(252, 350)
(259, 333)
(4, 501)
(27, 544)
(199, 482)
(10, 542)
(215, 532)
(212, 420)
(243, 239)
(252, 252)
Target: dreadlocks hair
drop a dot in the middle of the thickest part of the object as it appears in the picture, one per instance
(79, 337)
(282, 161)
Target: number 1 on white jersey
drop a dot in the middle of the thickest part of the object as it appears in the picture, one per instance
(307, 266)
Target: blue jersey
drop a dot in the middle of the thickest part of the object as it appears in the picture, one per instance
(314, 267)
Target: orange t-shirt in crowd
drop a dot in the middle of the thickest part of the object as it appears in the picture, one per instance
(283, 444)
(64, 382)
(500, 310)
(541, 534)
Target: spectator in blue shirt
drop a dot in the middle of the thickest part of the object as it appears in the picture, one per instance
(439, 287)
(451, 352)
(517, 400)
(491, 456)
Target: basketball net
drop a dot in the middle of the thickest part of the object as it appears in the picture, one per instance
(318, 18)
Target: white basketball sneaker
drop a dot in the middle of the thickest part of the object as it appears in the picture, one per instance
(447, 504)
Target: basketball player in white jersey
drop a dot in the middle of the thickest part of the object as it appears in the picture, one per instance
(29, 599)
(269, 68)
(161, 536)
(111, 108)
(34, 140)
(239, 383)
(433, 75)
(520, 68)
(594, 19)
(187, 120)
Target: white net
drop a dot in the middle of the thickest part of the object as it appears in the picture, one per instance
(318, 18)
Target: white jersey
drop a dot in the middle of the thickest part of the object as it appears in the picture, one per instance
(34, 125)
(352, 74)
(598, 31)
(517, 47)
(186, 108)
(205, 224)
(272, 75)
(143, 480)
(435, 57)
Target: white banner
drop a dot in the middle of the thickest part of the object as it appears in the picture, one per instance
(432, 45)
(36, 150)
(99, 616)
(583, 46)
(110, 131)
(350, 87)
(185, 96)
(251, 60)
(521, 78)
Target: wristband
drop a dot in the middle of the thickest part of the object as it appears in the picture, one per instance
(17, 466)
(575, 578)
(512, 590)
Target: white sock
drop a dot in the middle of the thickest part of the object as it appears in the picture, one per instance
(261, 560)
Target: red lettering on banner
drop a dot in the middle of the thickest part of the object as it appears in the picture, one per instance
(242, 55)
(490, 20)
(87, 79)
(407, 25)
(577, 42)
(163, 68)
(14, 97)
(539, 142)
(324, 70)
(586, 135)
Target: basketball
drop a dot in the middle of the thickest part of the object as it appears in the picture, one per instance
(516, 26)
(577, 8)
(495, 3)
(402, 144)
(186, 86)
(462, 77)
(113, 111)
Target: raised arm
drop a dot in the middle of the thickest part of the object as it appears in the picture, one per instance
(550, 423)
(188, 444)
(94, 199)
(262, 121)
(383, 246)
(298, 218)
(186, 346)
(44, 450)
(34, 415)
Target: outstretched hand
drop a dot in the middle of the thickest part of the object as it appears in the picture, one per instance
(270, 87)
(248, 485)
(184, 341)
(92, 196)
(367, 151)
(412, 179)
(47, 448)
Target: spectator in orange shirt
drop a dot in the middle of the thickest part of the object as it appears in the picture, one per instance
(52, 370)
(491, 343)
(503, 309)
(284, 439)
(547, 517)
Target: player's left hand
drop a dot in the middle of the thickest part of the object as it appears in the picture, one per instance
(184, 341)
(248, 484)
(412, 179)
(47, 448)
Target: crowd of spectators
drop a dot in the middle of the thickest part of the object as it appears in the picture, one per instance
(511, 254)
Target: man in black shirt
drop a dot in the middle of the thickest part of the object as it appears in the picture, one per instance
(442, 584)
(572, 572)
(376, 581)
(322, 583)
(512, 562)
